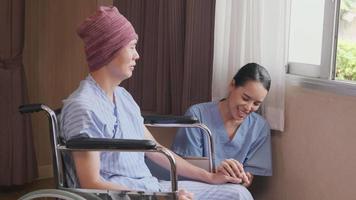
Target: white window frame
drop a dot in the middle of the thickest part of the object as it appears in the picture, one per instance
(322, 76)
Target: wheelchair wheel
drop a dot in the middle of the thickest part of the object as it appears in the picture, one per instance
(52, 193)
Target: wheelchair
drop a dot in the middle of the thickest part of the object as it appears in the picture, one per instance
(59, 147)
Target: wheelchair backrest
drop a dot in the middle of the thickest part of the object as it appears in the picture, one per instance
(66, 174)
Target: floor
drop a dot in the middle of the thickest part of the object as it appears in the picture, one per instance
(15, 192)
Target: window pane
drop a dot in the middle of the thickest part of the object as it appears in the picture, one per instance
(346, 48)
(306, 31)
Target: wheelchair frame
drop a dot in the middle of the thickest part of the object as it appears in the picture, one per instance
(100, 144)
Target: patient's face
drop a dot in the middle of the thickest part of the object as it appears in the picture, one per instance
(245, 99)
(124, 62)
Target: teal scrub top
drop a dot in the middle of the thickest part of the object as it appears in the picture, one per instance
(251, 144)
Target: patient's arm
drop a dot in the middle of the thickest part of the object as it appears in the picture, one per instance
(186, 169)
(87, 165)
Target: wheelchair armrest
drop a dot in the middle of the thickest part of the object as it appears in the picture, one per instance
(167, 119)
(30, 108)
(108, 143)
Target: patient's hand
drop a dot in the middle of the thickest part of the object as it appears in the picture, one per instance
(184, 195)
(233, 168)
(220, 178)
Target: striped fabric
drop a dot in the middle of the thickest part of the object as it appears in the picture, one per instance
(89, 112)
(205, 191)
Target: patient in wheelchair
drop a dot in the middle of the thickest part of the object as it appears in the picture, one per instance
(100, 108)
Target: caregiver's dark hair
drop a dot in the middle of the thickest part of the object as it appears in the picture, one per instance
(253, 72)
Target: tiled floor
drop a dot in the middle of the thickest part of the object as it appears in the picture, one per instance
(15, 192)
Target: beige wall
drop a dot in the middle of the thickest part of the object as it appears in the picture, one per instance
(315, 158)
(53, 59)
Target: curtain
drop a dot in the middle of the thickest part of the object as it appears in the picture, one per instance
(252, 31)
(176, 49)
(17, 156)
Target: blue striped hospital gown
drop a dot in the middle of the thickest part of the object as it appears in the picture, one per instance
(88, 111)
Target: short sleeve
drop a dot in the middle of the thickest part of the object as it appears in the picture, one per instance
(77, 120)
(259, 157)
(188, 141)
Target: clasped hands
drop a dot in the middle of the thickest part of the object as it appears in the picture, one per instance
(233, 168)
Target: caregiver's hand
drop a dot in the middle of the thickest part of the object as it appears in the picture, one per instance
(233, 168)
(250, 178)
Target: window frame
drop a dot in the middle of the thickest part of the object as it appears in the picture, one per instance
(322, 77)
(326, 69)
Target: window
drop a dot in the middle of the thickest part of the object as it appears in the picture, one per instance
(346, 45)
(322, 39)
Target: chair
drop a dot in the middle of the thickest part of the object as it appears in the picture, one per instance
(102, 144)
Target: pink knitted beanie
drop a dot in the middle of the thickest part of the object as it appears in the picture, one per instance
(104, 34)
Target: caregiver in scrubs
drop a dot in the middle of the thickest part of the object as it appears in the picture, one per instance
(240, 135)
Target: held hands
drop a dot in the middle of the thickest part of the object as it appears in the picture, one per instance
(220, 178)
(233, 168)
